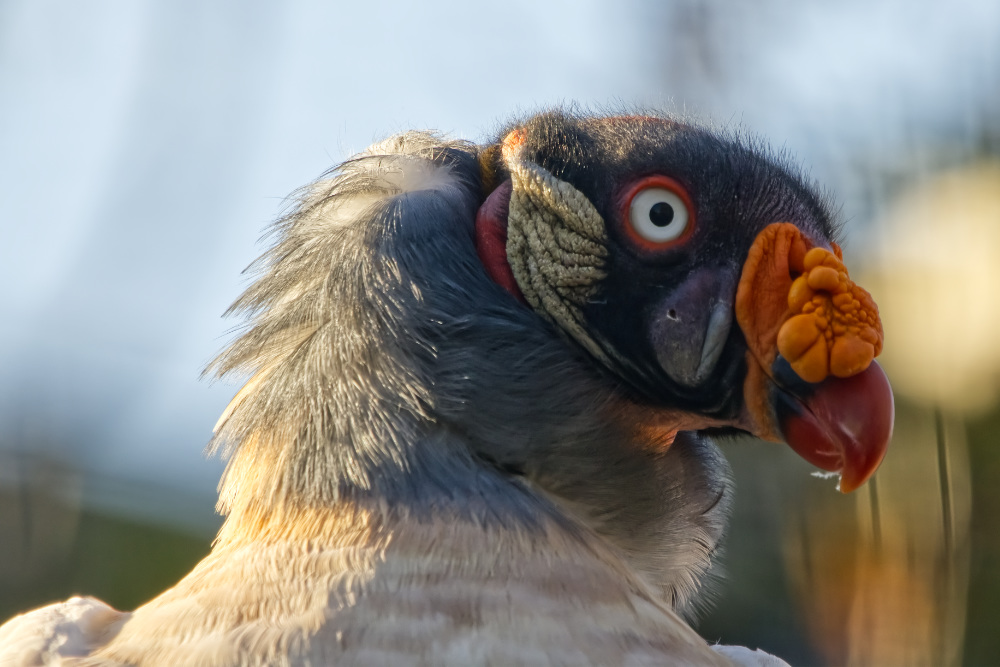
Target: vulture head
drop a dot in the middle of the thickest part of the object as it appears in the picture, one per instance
(699, 274)
(551, 325)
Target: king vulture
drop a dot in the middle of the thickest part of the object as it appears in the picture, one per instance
(483, 386)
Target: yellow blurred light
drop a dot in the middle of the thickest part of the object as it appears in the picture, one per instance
(937, 285)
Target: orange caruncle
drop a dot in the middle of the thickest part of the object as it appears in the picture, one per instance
(833, 326)
(797, 300)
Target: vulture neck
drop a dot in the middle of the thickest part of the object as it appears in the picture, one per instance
(527, 446)
(453, 406)
(392, 384)
(343, 429)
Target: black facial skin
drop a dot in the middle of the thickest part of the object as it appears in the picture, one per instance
(789, 390)
(737, 188)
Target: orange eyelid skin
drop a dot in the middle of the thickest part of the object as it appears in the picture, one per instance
(514, 140)
(666, 183)
(798, 301)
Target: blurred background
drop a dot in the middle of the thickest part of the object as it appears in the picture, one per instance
(145, 145)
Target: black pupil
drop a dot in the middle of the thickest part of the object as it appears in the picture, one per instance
(661, 214)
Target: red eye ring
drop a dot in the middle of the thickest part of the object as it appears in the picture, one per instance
(641, 231)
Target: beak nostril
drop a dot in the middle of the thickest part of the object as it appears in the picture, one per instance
(691, 325)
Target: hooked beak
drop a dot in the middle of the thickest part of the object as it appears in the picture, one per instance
(841, 425)
(688, 337)
(811, 336)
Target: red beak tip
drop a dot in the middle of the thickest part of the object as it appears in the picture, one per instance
(846, 487)
(845, 426)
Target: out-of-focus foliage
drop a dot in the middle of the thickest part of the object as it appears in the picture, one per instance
(54, 548)
(885, 582)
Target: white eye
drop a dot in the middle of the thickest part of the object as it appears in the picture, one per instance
(658, 215)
